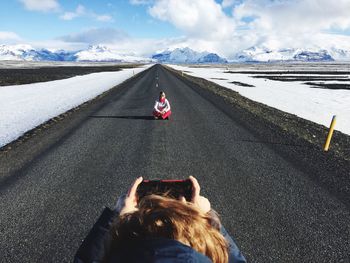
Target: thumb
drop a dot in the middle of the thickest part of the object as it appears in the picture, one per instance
(195, 188)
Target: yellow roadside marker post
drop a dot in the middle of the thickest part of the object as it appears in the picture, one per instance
(330, 134)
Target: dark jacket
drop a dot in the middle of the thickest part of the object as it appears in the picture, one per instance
(96, 247)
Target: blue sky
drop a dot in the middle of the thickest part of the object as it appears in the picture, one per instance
(41, 25)
(146, 26)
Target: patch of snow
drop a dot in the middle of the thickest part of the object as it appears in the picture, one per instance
(24, 107)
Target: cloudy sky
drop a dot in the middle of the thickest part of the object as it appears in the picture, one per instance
(143, 27)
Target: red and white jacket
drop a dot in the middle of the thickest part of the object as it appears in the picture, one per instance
(162, 106)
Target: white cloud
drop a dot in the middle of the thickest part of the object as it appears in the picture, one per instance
(41, 5)
(147, 47)
(11, 38)
(54, 45)
(203, 19)
(53, 5)
(228, 3)
(276, 24)
(141, 2)
(81, 11)
(103, 18)
(118, 40)
(296, 16)
(96, 36)
(7, 37)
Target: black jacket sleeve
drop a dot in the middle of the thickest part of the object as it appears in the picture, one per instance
(97, 243)
(235, 255)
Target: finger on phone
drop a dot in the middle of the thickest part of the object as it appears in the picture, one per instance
(132, 191)
(195, 186)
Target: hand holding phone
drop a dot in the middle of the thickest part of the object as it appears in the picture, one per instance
(189, 189)
(128, 203)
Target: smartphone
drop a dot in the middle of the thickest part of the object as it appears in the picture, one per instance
(170, 188)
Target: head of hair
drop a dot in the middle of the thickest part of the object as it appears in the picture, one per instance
(161, 94)
(159, 216)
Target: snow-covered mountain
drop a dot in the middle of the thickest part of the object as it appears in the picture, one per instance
(28, 53)
(187, 55)
(102, 53)
(93, 53)
(340, 54)
(264, 54)
(179, 55)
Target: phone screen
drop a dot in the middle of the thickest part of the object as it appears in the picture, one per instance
(169, 188)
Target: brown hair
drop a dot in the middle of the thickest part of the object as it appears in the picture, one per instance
(161, 93)
(160, 216)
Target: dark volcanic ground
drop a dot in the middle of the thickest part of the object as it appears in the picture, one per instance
(282, 198)
(15, 76)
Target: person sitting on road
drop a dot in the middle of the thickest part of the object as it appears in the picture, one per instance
(159, 229)
(162, 107)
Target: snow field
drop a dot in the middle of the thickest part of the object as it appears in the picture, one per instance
(314, 104)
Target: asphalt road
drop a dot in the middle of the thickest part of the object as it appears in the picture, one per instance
(54, 186)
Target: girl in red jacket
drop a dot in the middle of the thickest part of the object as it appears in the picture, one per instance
(162, 107)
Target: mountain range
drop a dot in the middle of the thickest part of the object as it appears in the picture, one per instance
(102, 53)
(265, 54)
(96, 53)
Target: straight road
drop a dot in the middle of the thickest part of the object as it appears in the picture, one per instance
(267, 202)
